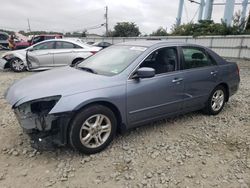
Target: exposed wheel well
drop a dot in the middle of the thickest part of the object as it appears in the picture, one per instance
(7, 65)
(76, 60)
(226, 88)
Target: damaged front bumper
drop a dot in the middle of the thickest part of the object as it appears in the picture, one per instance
(46, 130)
(3, 63)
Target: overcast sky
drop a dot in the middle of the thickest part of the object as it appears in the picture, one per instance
(73, 15)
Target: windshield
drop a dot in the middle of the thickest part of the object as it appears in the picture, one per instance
(112, 60)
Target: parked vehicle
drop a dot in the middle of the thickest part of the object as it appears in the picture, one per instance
(102, 44)
(4, 40)
(34, 40)
(47, 54)
(121, 87)
(90, 42)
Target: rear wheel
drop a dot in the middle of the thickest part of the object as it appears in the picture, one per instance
(17, 65)
(92, 129)
(216, 101)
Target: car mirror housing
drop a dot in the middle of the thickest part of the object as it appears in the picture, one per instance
(144, 72)
(31, 49)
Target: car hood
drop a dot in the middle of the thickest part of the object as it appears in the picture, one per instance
(15, 53)
(62, 81)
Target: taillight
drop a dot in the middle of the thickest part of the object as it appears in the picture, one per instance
(93, 52)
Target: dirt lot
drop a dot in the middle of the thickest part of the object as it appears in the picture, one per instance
(192, 150)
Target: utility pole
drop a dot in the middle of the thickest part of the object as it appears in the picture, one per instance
(228, 12)
(208, 9)
(201, 8)
(106, 20)
(179, 15)
(243, 14)
(29, 24)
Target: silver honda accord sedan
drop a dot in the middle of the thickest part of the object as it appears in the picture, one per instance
(119, 88)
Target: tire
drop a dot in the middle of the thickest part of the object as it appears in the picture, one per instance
(215, 105)
(17, 65)
(89, 136)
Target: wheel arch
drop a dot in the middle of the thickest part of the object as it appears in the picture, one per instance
(225, 85)
(76, 59)
(107, 104)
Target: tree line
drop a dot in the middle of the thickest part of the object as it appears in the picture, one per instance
(130, 29)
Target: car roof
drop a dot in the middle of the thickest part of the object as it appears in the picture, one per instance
(3, 33)
(75, 41)
(47, 35)
(149, 43)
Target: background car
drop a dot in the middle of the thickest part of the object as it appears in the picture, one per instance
(47, 54)
(35, 39)
(119, 88)
(4, 40)
(102, 44)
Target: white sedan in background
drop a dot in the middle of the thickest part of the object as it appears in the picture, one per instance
(47, 54)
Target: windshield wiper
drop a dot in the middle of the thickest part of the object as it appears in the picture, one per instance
(88, 69)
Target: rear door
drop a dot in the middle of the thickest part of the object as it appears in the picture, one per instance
(42, 55)
(64, 53)
(200, 76)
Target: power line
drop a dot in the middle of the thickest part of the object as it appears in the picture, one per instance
(89, 28)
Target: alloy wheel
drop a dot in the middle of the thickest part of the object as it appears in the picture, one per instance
(95, 131)
(217, 100)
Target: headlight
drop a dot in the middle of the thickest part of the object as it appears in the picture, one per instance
(39, 106)
(7, 56)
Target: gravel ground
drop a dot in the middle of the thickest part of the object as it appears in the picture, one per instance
(192, 150)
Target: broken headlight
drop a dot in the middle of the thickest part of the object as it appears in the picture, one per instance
(39, 106)
(7, 56)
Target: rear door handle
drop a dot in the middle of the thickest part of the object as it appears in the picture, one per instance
(213, 72)
(177, 80)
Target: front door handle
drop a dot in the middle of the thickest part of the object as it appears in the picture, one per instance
(177, 80)
(213, 72)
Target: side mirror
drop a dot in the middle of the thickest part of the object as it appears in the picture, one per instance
(31, 49)
(144, 72)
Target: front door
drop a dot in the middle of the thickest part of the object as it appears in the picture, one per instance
(42, 55)
(155, 97)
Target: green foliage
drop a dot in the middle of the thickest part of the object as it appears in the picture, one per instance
(125, 29)
(159, 32)
(7, 31)
(206, 27)
(39, 33)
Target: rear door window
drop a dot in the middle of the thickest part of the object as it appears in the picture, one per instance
(195, 57)
(66, 45)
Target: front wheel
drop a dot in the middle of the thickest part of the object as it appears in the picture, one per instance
(216, 101)
(93, 129)
(17, 65)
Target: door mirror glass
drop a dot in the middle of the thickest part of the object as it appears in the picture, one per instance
(144, 72)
